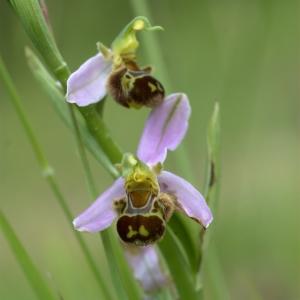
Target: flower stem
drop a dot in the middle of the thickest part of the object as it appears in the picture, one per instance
(119, 268)
(177, 265)
(82, 153)
(105, 236)
(100, 132)
(47, 171)
(116, 260)
(36, 27)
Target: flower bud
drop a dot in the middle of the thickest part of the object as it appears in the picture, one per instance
(126, 43)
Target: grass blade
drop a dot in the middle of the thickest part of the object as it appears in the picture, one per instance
(115, 256)
(212, 186)
(187, 237)
(123, 275)
(213, 146)
(48, 172)
(177, 265)
(30, 271)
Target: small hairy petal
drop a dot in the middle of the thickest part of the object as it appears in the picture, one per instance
(101, 213)
(189, 200)
(164, 129)
(87, 85)
(146, 267)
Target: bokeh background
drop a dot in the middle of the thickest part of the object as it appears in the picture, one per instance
(245, 54)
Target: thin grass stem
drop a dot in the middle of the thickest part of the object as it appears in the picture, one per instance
(48, 172)
(32, 274)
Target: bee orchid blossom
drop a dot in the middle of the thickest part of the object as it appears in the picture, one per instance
(115, 71)
(164, 130)
(143, 199)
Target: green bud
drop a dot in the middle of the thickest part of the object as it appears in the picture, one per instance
(126, 43)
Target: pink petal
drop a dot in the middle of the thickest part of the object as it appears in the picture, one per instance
(189, 199)
(164, 129)
(101, 213)
(145, 264)
(87, 85)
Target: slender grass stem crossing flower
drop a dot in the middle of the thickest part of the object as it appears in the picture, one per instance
(115, 71)
(143, 199)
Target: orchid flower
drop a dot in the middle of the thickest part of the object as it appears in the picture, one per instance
(143, 199)
(115, 71)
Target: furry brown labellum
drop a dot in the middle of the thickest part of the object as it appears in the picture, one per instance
(143, 217)
(139, 229)
(135, 88)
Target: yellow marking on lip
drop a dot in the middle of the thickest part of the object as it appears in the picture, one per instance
(159, 87)
(152, 87)
(131, 232)
(143, 231)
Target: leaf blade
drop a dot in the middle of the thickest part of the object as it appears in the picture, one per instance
(30, 271)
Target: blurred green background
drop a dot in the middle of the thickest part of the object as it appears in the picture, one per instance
(244, 54)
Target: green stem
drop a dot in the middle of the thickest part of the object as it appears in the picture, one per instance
(120, 272)
(96, 127)
(177, 265)
(105, 236)
(115, 257)
(82, 153)
(31, 16)
(48, 172)
(123, 280)
(100, 132)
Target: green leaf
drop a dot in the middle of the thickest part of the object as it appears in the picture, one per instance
(118, 266)
(34, 23)
(30, 271)
(178, 266)
(47, 171)
(32, 19)
(213, 169)
(213, 147)
(55, 93)
(189, 238)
